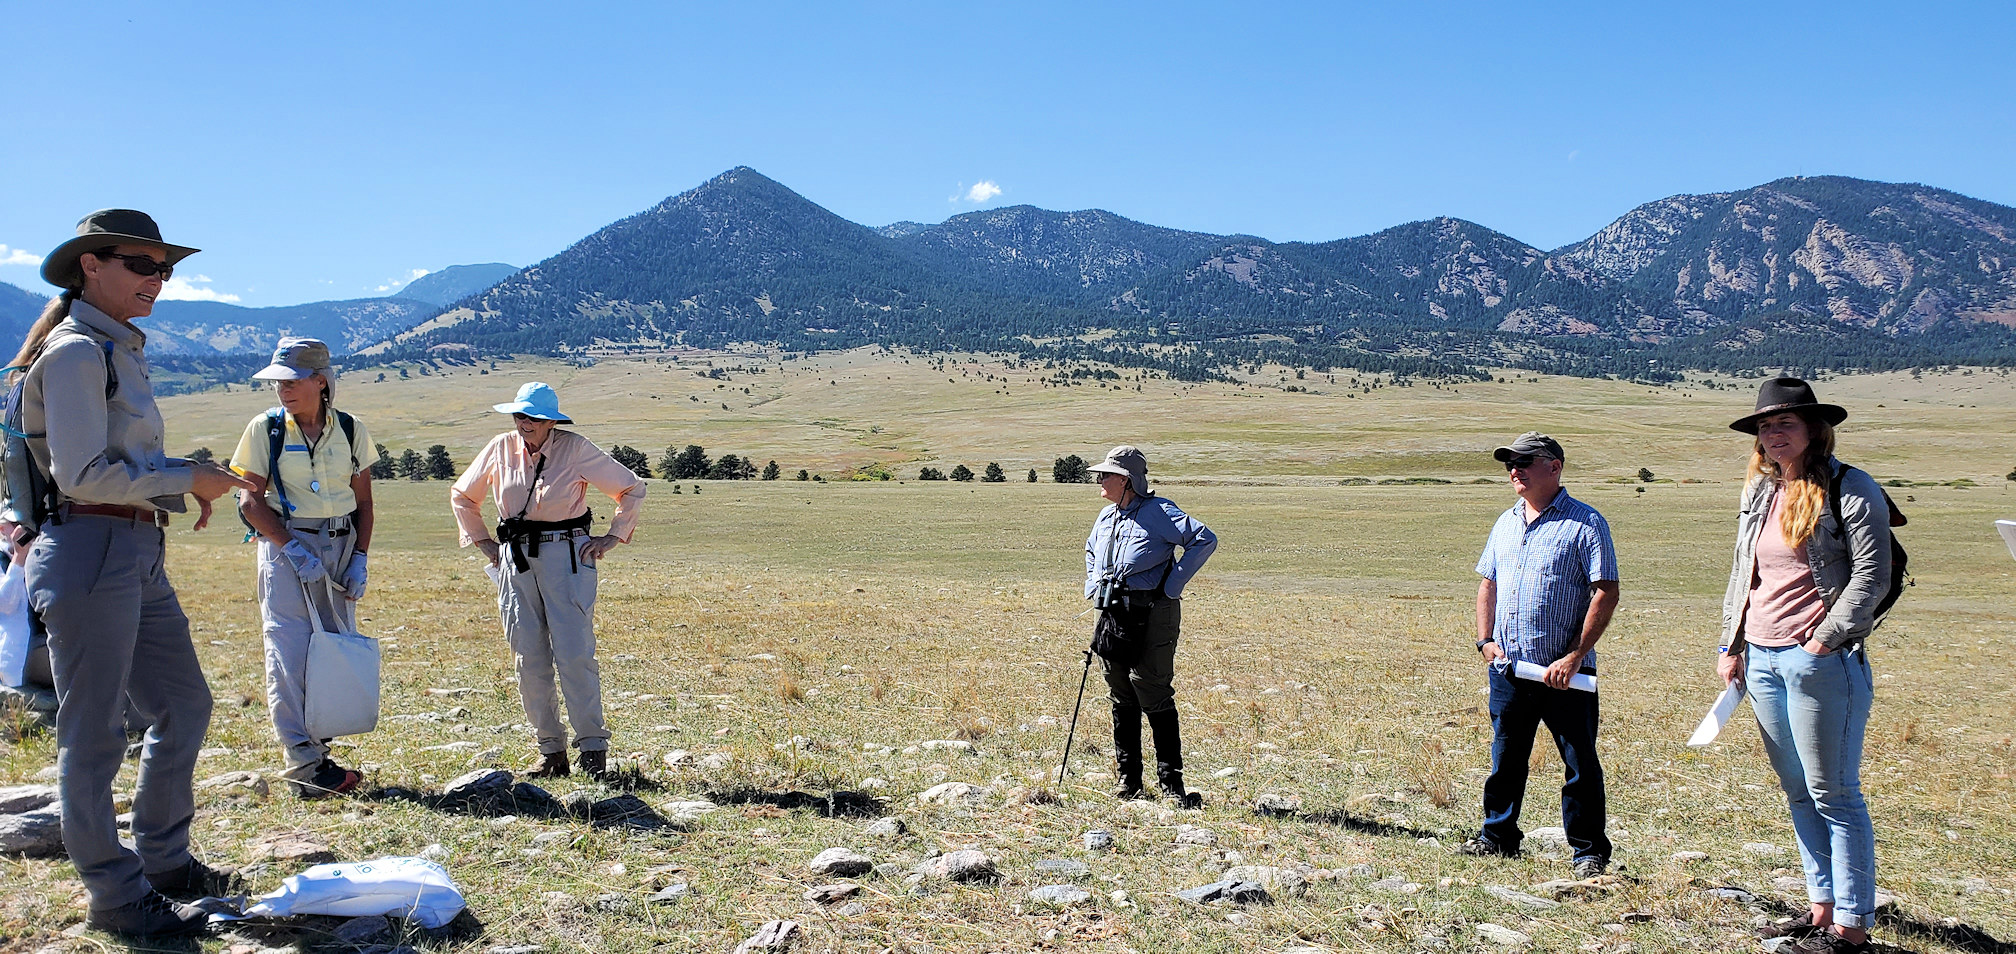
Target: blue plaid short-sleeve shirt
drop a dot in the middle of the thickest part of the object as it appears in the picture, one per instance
(1544, 570)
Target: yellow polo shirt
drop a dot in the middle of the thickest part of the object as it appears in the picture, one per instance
(318, 478)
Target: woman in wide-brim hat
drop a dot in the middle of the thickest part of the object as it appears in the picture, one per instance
(1801, 601)
(96, 578)
(545, 559)
(313, 513)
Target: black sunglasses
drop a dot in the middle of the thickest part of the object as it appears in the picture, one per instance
(1526, 461)
(141, 265)
(522, 416)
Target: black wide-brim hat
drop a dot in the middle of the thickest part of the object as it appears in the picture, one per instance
(100, 229)
(1782, 394)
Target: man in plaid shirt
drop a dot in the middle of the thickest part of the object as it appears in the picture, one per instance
(1549, 590)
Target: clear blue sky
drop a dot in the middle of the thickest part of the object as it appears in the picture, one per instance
(323, 151)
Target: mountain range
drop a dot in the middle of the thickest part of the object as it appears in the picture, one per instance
(1805, 272)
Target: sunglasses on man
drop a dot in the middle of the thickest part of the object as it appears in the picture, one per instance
(1526, 461)
(141, 265)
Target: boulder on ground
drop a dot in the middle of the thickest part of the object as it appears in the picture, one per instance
(1062, 895)
(965, 865)
(32, 834)
(1285, 882)
(890, 827)
(841, 863)
(953, 793)
(1278, 806)
(1227, 892)
(774, 936)
(832, 893)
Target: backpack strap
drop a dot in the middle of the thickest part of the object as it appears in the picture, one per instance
(350, 438)
(276, 438)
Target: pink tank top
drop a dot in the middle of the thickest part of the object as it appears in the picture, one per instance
(1785, 607)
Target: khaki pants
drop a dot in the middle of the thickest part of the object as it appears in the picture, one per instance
(549, 621)
(116, 630)
(283, 615)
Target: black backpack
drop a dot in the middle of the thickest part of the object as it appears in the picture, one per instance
(1900, 562)
(276, 439)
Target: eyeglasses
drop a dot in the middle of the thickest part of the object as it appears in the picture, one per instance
(522, 416)
(141, 265)
(1526, 461)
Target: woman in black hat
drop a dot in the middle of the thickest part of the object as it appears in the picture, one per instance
(1812, 563)
(96, 495)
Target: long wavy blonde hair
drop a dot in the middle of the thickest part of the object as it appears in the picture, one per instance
(1805, 496)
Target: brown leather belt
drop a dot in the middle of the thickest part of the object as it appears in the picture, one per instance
(158, 518)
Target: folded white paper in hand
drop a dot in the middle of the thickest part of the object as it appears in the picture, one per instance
(1538, 673)
(1718, 714)
(496, 575)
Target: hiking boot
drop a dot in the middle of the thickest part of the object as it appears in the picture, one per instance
(594, 763)
(329, 779)
(151, 916)
(1828, 942)
(550, 765)
(1795, 928)
(197, 880)
(1586, 868)
(1480, 846)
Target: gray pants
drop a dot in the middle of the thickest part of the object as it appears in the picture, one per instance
(116, 629)
(549, 620)
(283, 615)
(1149, 683)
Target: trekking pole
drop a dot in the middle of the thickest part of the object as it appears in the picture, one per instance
(1074, 718)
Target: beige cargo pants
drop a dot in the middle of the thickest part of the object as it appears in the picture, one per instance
(549, 621)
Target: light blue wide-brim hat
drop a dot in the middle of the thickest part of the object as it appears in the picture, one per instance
(537, 399)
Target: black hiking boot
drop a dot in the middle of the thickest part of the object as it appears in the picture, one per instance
(1127, 751)
(594, 763)
(196, 880)
(1169, 759)
(151, 916)
(550, 765)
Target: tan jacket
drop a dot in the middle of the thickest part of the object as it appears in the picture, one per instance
(100, 450)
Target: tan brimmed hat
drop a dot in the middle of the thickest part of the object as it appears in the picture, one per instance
(1126, 460)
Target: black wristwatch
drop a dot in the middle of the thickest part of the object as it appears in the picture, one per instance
(1487, 639)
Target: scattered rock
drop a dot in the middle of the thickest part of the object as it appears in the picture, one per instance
(434, 853)
(456, 693)
(852, 909)
(890, 827)
(676, 891)
(32, 834)
(512, 949)
(1762, 849)
(1361, 871)
(1501, 935)
(1278, 806)
(1519, 898)
(1062, 895)
(841, 863)
(832, 893)
(1564, 890)
(872, 784)
(358, 932)
(1726, 893)
(1395, 884)
(1285, 882)
(774, 936)
(677, 758)
(1064, 868)
(293, 850)
(1098, 839)
(1545, 840)
(687, 811)
(947, 745)
(1228, 892)
(27, 798)
(1690, 857)
(1193, 835)
(965, 865)
(1226, 772)
(953, 793)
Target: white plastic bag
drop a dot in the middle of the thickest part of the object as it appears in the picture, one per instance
(412, 888)
(342, 690)
(14, 626)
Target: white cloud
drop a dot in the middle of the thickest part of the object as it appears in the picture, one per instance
(394, 283)
(982, 191)
(18, 256)
(184, 288)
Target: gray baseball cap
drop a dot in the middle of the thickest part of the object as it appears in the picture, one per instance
(1126, 460)
(298, 358)
(1530, 444)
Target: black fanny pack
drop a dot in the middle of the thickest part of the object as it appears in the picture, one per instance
(521, 537)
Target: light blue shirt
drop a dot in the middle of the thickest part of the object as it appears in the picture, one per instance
(1544, 571)
(1141, 541)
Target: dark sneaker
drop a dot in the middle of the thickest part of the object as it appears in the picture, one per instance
(1795, 928)
(151, 916)
(594, 763)
(1586, 868)
(329, 779)
(197, 880)
(1483, 847)
(1828, 942)
(550, 765)
(1129, 791)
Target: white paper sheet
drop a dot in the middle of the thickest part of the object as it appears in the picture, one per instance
(1718, 715)
(1538, 673)
(496, 575)
(2008, 528)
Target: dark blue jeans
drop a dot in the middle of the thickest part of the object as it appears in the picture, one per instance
(1518, 708)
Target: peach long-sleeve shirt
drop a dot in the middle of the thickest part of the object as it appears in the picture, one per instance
(573, 464)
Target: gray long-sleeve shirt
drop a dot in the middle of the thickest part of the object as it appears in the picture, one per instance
(100, 450)
(1139, 542)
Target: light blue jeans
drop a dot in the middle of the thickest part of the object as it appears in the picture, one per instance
(1813, 711)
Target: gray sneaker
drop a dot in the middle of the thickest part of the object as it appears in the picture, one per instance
(1586, 868)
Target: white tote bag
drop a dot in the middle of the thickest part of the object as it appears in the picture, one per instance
(342, 692)
(15, 631)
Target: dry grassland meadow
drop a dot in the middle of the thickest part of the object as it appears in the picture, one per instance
(766, 638)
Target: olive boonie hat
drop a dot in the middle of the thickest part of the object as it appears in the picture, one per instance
(1530, 444)
(1128, 461)
(1782, 394)
(99, 229)
(298, 358)
(537, 399)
